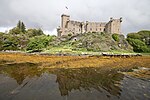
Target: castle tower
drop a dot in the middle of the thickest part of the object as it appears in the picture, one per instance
(113, 26)
(65, 19)
(64, 25)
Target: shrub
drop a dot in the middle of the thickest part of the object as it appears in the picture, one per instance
(69, 34)
(134, 36)
(39, 42)
(138, 45)
(115, 37)
(140, 41)
(34, 32)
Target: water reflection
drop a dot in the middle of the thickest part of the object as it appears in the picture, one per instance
(68, 79)
(26, 80)
(87, 79)
(19, 71)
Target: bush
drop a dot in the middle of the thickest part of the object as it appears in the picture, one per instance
(140, 41)
(138, 45)
(141, 35)
(134, 36)
(69, 34)
(39, 42)
(34, 32)
(115, 37)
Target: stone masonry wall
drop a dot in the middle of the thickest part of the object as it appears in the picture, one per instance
(75, 27)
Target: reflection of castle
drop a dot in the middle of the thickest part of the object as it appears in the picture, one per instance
(74, 27)
(87, 79)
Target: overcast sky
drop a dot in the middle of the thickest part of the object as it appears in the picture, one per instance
(46, 14)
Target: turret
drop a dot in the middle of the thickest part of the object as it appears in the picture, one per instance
(120, 19)
(65, 19)
(113, 26)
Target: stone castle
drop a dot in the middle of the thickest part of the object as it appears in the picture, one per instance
(75, 27)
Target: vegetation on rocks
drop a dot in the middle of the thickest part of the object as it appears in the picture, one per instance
(34, 40)
(115, 37)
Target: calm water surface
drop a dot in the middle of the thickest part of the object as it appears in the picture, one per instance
(25, 81)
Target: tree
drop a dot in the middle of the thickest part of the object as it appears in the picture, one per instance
(40, 32)
(15, 31)
(141, 35)
(138, 45)
(140, 41)
(1, 40)
(10, 42)
(21, 26)
(39, 42)
(34, 32)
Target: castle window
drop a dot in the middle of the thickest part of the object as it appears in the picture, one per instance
(91, 29)
(100, 29)
(79, 30)
(96, 29)
(104, 29)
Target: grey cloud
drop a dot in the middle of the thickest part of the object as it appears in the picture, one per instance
(46, 13)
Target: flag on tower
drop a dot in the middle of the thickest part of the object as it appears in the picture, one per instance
(66, 7)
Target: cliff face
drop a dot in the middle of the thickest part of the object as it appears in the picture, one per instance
(95, 42)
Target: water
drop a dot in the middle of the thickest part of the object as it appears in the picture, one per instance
(25, 81)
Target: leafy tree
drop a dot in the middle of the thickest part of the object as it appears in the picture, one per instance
(141, 35)
(134, 36)
(40, 32)
(145, 37)
(15, 31)
(34, 32)
(138, 45)
(1, 40)
(140, 41)
(10, 42)
(38, 43)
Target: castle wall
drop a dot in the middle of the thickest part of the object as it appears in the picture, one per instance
(95, 27)
(75, 27)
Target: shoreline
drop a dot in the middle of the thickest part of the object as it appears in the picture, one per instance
(104, 54)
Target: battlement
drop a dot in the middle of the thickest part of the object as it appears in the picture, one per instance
(75, 27)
